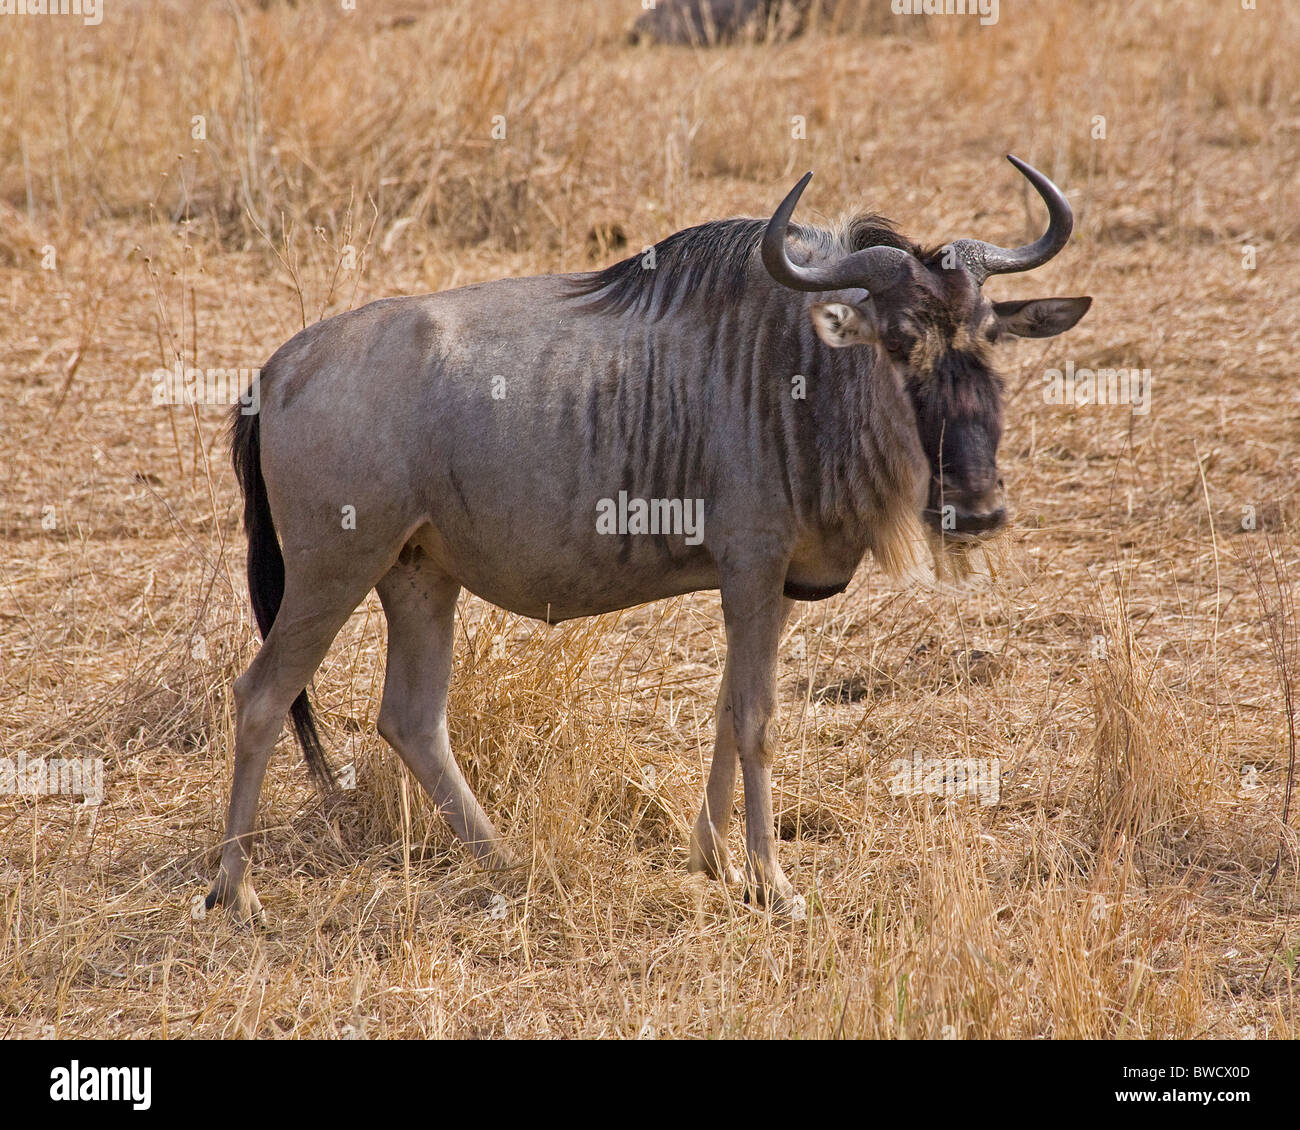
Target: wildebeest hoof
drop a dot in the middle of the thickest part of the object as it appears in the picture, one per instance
(793, 907)
(782, 900)
(732, 876)
(714, 864)
(240, 901)
(495, 858)
(789, 908)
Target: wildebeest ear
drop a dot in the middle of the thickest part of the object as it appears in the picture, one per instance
(1040, 317)
(839, 324)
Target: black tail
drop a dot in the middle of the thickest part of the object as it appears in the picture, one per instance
(266, 573)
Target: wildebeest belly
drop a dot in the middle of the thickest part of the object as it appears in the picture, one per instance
(561, 578)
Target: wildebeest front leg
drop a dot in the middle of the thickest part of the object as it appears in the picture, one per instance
(709, 851)
(420, 606)
(755, 612)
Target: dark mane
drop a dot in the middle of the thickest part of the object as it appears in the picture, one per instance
(712, 258)
(713, 261)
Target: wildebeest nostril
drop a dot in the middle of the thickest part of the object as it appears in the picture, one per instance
(988, 521)
(958, 522)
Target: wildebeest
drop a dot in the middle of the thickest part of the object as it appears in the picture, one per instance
(820, 393)
(708, 22)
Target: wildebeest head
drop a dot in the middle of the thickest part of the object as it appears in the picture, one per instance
(925, 314)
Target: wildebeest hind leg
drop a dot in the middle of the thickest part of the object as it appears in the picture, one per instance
(309, 617)
(420, 605)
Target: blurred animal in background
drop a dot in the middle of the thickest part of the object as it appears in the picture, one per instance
(706, 23)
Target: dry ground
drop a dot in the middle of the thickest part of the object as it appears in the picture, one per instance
(1128, 670)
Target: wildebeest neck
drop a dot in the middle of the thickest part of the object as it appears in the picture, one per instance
(733, 389)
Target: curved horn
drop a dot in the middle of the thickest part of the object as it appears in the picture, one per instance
(872, 269)
(983, 259)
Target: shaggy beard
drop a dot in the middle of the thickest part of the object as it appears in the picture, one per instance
(907, 545)
(964, 561)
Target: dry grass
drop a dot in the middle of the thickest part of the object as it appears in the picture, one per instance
(1135, 878)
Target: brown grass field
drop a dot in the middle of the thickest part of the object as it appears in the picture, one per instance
(1131, 666)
